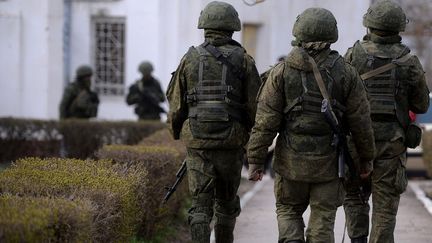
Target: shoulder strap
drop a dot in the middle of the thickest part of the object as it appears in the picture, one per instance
(386, 67)
(319, 79)
(214, 51)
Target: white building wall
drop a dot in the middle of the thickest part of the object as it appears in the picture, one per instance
(31, 64)
(161, 31)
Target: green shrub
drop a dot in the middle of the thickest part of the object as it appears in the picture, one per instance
(23, 138)
(427, 151)
(112, 193)
(161, 164)
(71, 138)
(164, 138)
(82, 138)
(28, 219)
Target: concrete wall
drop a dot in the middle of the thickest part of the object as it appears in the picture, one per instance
(161, 31)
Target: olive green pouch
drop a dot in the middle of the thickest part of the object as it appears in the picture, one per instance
(413, 135)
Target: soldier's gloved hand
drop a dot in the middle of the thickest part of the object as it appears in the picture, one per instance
(366, 169)
(256, 172)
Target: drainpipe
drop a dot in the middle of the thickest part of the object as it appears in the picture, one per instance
(67, 27)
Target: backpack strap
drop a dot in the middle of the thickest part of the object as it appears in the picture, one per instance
(386, 67)
(214, 51)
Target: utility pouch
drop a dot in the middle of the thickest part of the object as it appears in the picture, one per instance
(413, 135)
(210, 130)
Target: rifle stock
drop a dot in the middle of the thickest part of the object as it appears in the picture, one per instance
(344, 157)
(179, 175)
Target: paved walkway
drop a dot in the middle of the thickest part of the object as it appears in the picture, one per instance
(257, 222)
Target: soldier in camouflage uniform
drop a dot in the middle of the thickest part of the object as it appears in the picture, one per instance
(392, 93)
(212, 109)
(305, 158)
(146, 94)
(78, 100)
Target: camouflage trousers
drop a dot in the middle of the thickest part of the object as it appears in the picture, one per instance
(293, 198)
(389, 180)
(214, 178)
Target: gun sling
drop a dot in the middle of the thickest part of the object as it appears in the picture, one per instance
(385, 68)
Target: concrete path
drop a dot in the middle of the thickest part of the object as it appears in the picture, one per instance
(257, 222)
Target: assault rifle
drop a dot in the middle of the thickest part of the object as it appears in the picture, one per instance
(344, 157)
(179, 175)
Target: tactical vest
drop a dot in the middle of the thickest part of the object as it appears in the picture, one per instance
(215, 99)
(387, 90)
(306, 129)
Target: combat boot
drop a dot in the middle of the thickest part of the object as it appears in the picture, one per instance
(224, 234)
(362, 239)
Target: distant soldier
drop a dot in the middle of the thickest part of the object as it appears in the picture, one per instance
(306, 157)
(78, 100)
(146, 94)
(395, 81)
(212, 109)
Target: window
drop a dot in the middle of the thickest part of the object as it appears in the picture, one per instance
(249, 38)
(109, 55)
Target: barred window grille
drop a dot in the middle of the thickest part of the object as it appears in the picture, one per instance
(109, 55)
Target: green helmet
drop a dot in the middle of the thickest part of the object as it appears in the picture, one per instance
(316, 24)
(145, 67)
(385, 15)
(83, 71)
(219, 16)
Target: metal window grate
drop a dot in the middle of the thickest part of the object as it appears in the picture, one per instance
(109, 55)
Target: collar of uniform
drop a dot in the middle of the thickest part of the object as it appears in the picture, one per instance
(218, 37)
(383, 39)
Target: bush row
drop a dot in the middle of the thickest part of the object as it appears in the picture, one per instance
(111, 199)
(71, 138)
(30, 219)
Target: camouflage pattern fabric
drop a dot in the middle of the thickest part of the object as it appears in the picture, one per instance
(78, 102)
(292, 200)
(289, 103)
(388, 177)
(386, 16)
(215, 148)
(213, 184)
(306, 158)
(219, 16)
(146, 94)
(185, 78)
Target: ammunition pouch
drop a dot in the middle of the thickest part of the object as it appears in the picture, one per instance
(413, 135)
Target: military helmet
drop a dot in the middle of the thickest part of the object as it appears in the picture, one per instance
(83, 71)
(385, 15)
(220, 16)
(316, 24)
(145, 67)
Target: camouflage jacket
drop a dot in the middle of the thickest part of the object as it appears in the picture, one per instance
(146, 94)
(410, 89)
(78, 102)
(185, 79)
(304, 149)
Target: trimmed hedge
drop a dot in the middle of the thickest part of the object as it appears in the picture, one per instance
(426, 144)
(163, 138)
(83, 138)
(161, 164)
(112, 193)
(71, 138)
(28, 219)
(23, 138)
